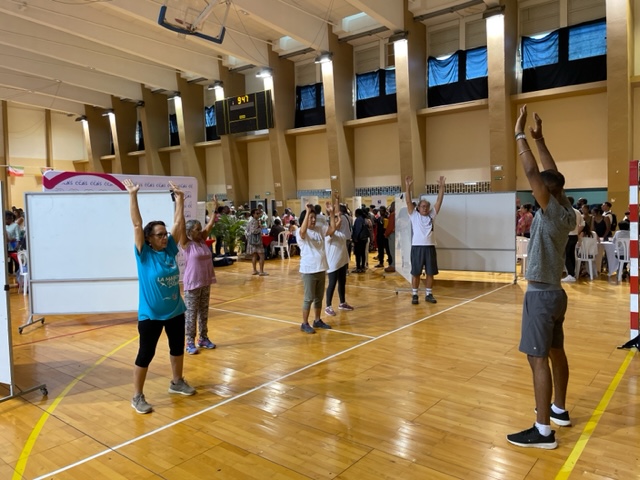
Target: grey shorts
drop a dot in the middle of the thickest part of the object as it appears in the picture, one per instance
(423, 257)
(542, 318)
(313, 284)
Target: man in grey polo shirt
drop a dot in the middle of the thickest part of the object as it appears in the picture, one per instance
(545, 302)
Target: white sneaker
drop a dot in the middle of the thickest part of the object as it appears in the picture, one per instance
(569, 279)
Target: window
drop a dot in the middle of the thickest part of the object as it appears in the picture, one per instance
(588, 40)
(310, 105)
(376, 93)
(476, 63)
(174, 137)
(568, 56)
(443, 70)
(210, 124)
(540, 51)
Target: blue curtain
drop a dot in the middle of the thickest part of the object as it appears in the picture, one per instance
(540, 51)
(322, 95)
(477, 63)
(307, 97)
(210, 116)
(444, 71)
(588, 40)
(367, 85)
(173, 123)
(390, 81)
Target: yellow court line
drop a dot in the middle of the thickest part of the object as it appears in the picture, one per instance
(589, 428)
(29, 444)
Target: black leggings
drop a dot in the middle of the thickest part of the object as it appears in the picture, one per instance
(150, 331)
(360, 249)
(340, 277)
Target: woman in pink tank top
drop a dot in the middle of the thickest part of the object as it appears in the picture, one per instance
(197, 280)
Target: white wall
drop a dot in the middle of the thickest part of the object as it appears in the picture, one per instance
(215, 171)
(260, 171)
(312, 162)
(377, 155)
(67, 138)
(458, 147)
(575, 131)
(26, 133)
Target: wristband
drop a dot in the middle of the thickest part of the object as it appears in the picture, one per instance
(521, 136)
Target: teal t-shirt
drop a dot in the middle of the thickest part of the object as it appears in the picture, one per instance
(159, 283)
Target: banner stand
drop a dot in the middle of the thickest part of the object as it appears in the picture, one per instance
(6, 345)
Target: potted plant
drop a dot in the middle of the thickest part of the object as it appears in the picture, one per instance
(232, 231)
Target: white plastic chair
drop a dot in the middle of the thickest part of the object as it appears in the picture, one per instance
(522, 244)
(23, 272)
(622, 252)
(587, 251)
(282, 244)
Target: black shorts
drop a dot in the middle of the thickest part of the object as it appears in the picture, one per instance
(423, 257)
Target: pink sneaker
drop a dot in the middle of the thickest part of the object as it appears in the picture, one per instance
(345, 306)
(330, 311)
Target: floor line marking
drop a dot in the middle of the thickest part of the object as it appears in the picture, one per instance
(259, 387)
(33, 436)
(589, 428)
(289, 322)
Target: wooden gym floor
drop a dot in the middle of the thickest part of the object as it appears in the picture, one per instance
(394, 391)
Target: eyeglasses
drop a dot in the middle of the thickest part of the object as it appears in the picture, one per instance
(160, 235)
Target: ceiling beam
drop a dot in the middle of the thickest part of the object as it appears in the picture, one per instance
(312, 32)
(23, 97)
(31, 63)
(386, 12)
(103, 27)
(47, 41)
(235, 44)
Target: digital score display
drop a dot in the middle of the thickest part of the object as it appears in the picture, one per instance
(244, 113)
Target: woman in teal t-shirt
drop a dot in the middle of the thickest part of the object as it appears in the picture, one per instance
(160, 304)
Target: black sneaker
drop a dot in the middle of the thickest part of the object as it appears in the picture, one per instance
(320, 324)
(430, 298)
(414, 300)
(560, 419)
(532, 438)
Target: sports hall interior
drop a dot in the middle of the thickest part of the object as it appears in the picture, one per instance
(394, 390)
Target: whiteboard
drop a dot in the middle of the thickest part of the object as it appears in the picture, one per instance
(81, 249)
(6, 360)
(476, 232)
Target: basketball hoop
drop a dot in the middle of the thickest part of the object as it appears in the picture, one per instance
(189, 18)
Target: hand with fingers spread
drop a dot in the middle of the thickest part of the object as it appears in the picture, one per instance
(129, 185)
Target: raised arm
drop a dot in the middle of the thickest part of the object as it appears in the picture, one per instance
(212, 218)
(178, 231)
(408, 181)
(529, 164)
(136, 218)
(305, 224)
(332, 220)
(548, 163)
(336, 211)
(441, 188)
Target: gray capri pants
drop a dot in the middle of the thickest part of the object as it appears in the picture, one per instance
(313, 289)
(543, 313)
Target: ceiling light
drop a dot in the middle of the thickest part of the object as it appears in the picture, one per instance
(107, 112)
(140, 103)
(397, 36)
(173, 95)
(324, 57)
(493, 11)
(82, 118)
(216, 84)
(265, 73)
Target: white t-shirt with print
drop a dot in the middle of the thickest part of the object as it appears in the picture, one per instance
(422, 228)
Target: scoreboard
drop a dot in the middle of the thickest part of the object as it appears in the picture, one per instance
(244, 113)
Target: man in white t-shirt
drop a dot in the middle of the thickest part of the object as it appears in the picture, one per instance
(570, 249)
(423, 242)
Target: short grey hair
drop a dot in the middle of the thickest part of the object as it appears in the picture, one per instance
(191, 224)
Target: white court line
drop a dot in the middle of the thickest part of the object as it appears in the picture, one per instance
(259, 387)
(286, 321)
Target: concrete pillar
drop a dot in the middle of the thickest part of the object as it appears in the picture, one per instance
(619, 103)
(501, 53)
(124, 123)
(97, 138)
(48, 161)
(4, 119)
(410, 61)
(154, 116)
(337, 80)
